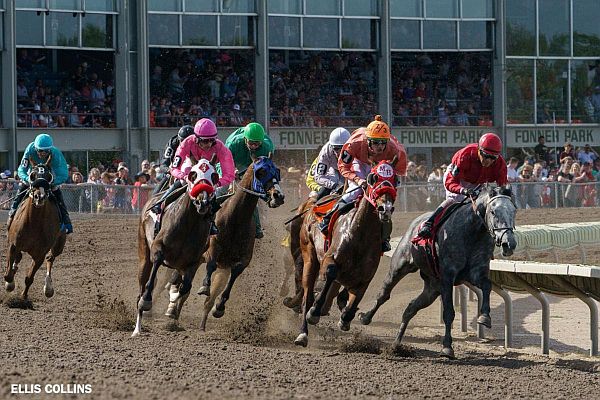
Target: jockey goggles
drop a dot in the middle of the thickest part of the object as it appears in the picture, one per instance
(253, 143)
(489, 156)
(378, 141)
(207, 141)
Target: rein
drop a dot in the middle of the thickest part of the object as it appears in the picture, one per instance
(492, 231)
(251, 192)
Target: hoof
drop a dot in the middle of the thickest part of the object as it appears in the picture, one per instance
(171, 311)
(485, 320)
(144, 305)
(173, 293)
(135, 333)
(365, 318)
(345, 326)
(204, 290)
(217, 313)
(10, 286)
(448, 353)
(312, 319)
(289, 302)
(48, 291)
(301, 340)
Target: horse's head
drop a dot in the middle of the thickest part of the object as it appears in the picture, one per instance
(200, 180)
(266, 181)
(496, 207)
(381, 190)
(41, 179)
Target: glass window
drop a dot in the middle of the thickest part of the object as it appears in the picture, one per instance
(321, 32)
(477, 8)
(237, 31)
(29, 28)
(97, 30)
(475, 35)
(30, 4)
(163, 29)
(554, 28)
(199, 30)
(164, 5)
(359, 34)
(520, 27)
(360, 7)
(65, 5)
(585, 77)
(285, 7)
(320, 7)
(406, 8)
(586, 29)
(238, 6)
(442, 8)
(201, 6)
(439, 34)
(552, 91)
(405, 34)
(519, 91)
(132, 26)
(62, 29)
(101, 5)
(284, 32)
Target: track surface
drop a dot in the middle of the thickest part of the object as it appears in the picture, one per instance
(82, 335)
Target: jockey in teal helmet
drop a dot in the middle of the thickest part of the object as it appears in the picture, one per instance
(38, 152)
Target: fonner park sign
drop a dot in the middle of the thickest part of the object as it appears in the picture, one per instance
(314, 138)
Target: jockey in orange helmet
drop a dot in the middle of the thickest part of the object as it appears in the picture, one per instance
(471, 166)
(365, 148)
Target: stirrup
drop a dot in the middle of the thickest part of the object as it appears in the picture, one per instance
(386, 246)
(425, 231)
(324, 226)
(66, 228)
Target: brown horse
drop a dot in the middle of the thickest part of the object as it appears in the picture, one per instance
(353, 256)
(231, 250)
(181, 241)
(35, 229)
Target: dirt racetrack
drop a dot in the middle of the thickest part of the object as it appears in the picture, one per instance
(82, 334)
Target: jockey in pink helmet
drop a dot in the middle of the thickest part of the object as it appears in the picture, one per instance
(203, 144)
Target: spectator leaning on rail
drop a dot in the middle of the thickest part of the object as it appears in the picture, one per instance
(203, 144)
(38, 151)
(324, 176)
(366, 147)
(169, 154)
(245, 143)
(471, 166)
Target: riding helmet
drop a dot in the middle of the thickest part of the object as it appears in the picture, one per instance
(378, 129)
(205, 129)
(43, 141)
(254, 132)
(339, 137)
(185, 131)
(490, 143)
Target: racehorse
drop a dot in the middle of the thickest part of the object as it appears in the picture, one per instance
(465, 246)
(182, 239)
(35, 229)
(231, 250)
(354, 253)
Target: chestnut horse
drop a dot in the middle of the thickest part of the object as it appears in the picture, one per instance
(182, 239)
(35, 229)
(353, 256)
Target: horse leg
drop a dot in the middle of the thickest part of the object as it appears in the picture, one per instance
(354, 298)
(342, 299)
(35, 265)
(333, 292)
(56, 251)
(219, 310)
(486, 286)
(13, 260)
(145, 302)
(184, 290)
(393, 277)
(172, 286)
(219, 282)
(309, 276)
(423, 300)
(314, 314)
(211, 266)
(446, 289)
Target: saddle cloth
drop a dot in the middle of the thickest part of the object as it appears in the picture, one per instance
(427, 245)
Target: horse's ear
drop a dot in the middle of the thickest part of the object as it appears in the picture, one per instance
(394, 160)
(270, 156)
(213, 159)
(372, 179)
(48, 161)
(253, 157)
(505, 190)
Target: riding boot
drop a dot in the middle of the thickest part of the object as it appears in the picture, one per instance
(323, 191)
(21, 193)
(259, 234)
(66, 226)
(161, 185)
(215, 206)
(426, 228)
(158, 207)
(386, 232)
(340, 205)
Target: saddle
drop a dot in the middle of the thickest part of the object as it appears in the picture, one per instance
(427, 245)
(323, 207)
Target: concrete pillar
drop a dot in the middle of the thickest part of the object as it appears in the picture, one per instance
(9, 83)
(384, 64)
(498, 84)
(261, 66)
(122, 80)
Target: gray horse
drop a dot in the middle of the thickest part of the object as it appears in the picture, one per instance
(465, 246)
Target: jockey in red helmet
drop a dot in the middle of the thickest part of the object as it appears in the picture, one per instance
(471, 166)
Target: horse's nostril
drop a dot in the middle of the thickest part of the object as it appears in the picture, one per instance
(380, 209)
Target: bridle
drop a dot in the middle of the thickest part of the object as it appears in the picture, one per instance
(490, 227)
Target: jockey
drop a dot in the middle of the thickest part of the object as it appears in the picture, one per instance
(245, 143)
(326, 172)
(203, 144)
(471, 166)
(170, 150)
(365, 148)
(38, 152)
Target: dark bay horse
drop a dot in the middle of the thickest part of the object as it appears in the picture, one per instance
(465, 246)
(231, 250)
(182, 239)
(353, 256)
(35, 229)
